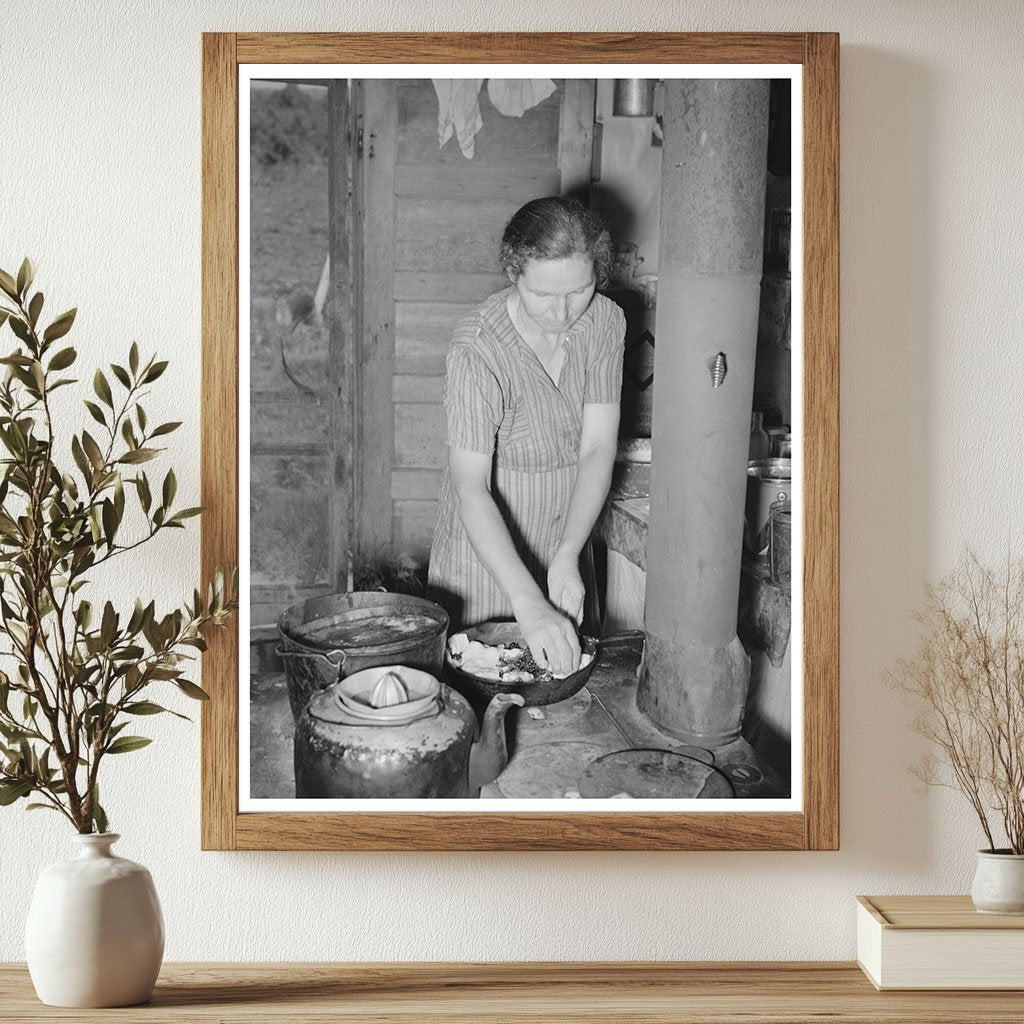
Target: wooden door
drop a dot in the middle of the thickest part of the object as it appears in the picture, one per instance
(428, 228)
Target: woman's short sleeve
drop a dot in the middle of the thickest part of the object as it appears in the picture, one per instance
(473, 401)
(604, 367)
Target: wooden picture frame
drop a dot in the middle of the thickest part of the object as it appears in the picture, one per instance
(816, 825)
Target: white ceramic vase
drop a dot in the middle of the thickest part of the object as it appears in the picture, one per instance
(95, 933)
(999, 882)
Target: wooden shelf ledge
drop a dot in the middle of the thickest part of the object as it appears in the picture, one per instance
(658, 993)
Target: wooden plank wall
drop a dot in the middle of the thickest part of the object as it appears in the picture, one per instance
(449, 215)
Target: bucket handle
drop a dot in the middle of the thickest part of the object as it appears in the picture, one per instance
(329, 658)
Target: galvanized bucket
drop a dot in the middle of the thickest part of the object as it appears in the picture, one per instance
(327, 638)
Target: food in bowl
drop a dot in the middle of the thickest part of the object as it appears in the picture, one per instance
(503, 662)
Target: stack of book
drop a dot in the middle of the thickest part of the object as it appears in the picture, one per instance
(938, 942)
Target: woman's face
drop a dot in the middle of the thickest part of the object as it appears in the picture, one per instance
(555, 293)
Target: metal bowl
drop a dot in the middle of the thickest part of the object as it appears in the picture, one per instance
(535, 693)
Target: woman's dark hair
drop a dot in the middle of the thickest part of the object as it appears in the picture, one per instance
(556, 228)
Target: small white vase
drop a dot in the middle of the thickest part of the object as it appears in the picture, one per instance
(95, 933)
(999, 882)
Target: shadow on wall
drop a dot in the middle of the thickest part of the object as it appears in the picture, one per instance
(889, 268)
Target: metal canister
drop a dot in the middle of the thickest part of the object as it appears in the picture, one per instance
(780, 541)
(633, 97)
(768, 480)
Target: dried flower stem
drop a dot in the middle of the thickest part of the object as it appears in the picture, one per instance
(967, 679)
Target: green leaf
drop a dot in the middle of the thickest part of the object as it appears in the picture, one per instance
(94, 711)
(4, 314)
(144, 707)
(121, 374)
(12, 733)
(102, 388)
(99, 816)
(130, 653)
(145, 497)
(92, 449)
(165, 428)
(63, 359)
(10, 442)
(191, 690)
(154, 371)
(170, 488)
(95, 412)
(26, 273)
(60, 326)
(80, 459)
(108, 627)
(11, 791)
(125, 744)
(109, 521)
(169, 674)
(138, 614)
(140, 415)
(133, 358)
(20, 328)
(185, 513)
(138, 455)
(128, 433)
(8, 284)
(34, 308)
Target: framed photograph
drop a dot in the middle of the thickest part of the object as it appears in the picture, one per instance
(520, 419)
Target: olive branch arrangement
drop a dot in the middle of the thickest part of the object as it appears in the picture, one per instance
(79, 673)
(968, 678)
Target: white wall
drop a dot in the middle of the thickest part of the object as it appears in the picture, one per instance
(100, 182)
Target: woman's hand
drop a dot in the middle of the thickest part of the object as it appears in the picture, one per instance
(550, 636)
(565, 586)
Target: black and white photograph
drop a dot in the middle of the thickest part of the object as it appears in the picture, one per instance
(520, 475)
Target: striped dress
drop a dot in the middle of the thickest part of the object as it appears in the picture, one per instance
(499, 401)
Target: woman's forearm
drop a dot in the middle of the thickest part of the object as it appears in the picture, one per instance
(593, 480)
(492, 543)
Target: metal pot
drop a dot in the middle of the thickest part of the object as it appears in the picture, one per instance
(537, 693)
(327, 638)
(394, 732)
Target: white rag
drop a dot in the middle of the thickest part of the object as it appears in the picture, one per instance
(458, 112)
(514, 96)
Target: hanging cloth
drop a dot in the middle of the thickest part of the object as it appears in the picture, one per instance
(458, 112)
(514, 96)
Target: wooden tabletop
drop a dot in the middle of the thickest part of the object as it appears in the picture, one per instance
(659, 993)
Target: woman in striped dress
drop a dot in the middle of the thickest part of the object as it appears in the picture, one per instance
(532, 402)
